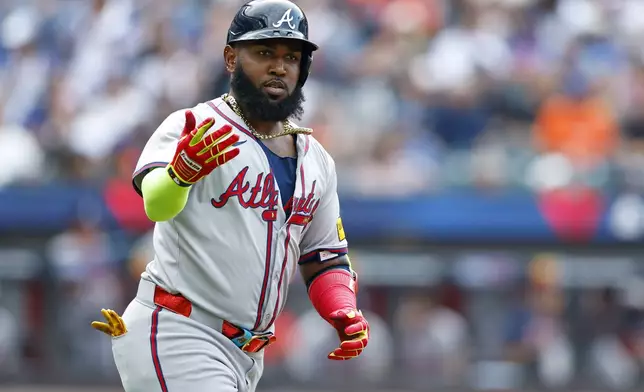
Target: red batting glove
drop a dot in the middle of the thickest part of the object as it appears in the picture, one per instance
(196, 156)
(353, 331)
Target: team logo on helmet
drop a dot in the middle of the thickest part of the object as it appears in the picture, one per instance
(285, 18)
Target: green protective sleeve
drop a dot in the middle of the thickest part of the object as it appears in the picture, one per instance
(163, 198)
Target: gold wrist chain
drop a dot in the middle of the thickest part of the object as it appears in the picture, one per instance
(289, 128)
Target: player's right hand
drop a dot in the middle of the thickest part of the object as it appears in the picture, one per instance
(196, 156)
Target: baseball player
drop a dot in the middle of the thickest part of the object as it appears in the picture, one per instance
(242, 197)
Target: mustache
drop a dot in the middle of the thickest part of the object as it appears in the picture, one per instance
(278, 83)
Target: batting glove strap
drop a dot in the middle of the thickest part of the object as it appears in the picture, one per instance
(175, 178)
(198, 154)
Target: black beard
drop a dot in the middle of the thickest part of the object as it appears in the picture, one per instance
(256, 105)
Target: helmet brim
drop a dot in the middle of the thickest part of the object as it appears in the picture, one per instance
(265, 34)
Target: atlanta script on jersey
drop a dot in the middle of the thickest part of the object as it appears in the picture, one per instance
(232, 250)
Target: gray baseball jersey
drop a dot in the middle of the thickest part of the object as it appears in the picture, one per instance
(232, 251)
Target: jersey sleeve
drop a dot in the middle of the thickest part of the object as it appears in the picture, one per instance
(160, 148)
(324, 238)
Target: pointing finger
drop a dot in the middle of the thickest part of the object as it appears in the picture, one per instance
(189, 124)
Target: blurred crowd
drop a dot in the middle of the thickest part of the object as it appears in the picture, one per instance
(410, 96)
(487, 320)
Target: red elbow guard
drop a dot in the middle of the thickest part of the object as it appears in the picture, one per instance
(333, 290)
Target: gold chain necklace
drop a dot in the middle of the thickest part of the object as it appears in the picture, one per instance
(289, 128)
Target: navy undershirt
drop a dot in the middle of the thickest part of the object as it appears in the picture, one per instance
(284, 170)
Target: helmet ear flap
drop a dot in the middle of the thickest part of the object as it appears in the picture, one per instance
(305, 66)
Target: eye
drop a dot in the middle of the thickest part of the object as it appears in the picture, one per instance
(291, 57)
(265, 53)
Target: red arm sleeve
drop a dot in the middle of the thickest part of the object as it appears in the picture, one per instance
(333, 290)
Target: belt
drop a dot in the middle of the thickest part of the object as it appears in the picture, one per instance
(243, 338)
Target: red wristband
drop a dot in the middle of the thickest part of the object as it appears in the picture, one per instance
(333, 290)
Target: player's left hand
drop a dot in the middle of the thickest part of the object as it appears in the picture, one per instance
(115, 326)
(353, 331)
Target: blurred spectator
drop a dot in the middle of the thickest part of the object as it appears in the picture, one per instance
(110, 118)
(434, 341)
(169, 68)
(25, 75)
(21, 157)
(104, 35)
(536, 333)
(9, 343)
(611, 363)
(459, 60)
(536, 336)
(85, 266)
(141, 253)
(634, 315)
(577, 123)
(313, 339)
(392, 170)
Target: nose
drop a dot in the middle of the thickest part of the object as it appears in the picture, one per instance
(278, 68)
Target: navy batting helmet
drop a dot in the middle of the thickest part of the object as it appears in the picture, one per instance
(271, 19)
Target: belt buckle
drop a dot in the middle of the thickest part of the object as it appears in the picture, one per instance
(258, 342)
(242, 340)
(245, 339)
(252, 343)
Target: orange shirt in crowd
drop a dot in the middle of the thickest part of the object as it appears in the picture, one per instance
(585, 129)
